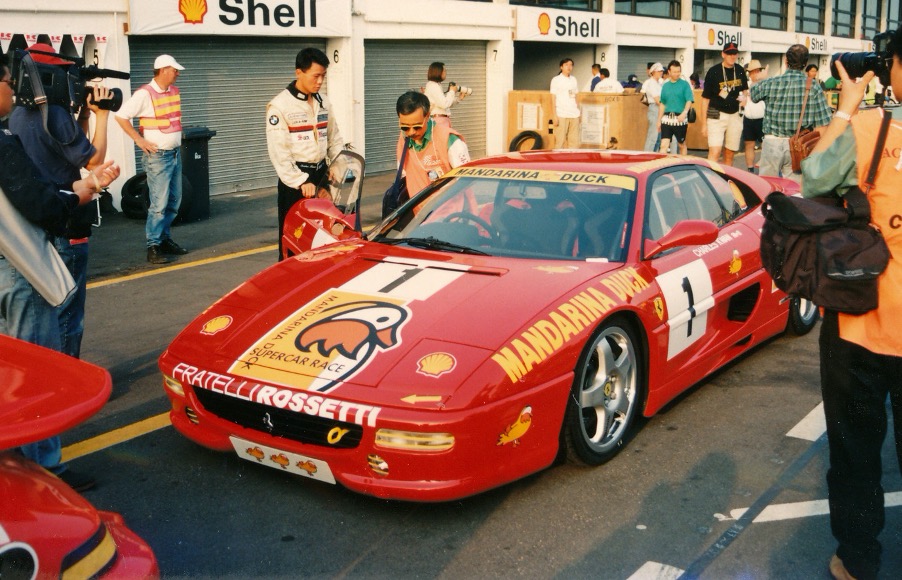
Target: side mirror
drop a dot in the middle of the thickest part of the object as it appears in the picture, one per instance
(684, 233)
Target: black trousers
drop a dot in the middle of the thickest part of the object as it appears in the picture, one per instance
(288, 196)
(855, 383)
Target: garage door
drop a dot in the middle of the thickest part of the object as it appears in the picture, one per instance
(393, 67)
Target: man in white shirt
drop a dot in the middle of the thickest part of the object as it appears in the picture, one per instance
(607, 84)
(566, 112)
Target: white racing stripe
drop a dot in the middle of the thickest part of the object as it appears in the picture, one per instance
(656, 571)
(812, 426)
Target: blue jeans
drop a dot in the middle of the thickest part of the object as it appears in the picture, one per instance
(164, 182)
(24, 314)
(71, 313)
(652, 136)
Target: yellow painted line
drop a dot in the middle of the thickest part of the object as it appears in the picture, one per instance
(115, 437)
(174, 267)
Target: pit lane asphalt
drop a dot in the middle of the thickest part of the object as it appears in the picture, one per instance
(649, 507)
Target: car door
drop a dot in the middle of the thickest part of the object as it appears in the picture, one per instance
(698, 283)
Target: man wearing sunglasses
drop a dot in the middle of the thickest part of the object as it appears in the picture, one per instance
(301, 134)
(432, 149)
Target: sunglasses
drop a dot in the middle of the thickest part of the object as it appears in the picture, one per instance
(407, 128)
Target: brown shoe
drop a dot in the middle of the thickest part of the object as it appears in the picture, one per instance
(155, 255)
(167, 246)
(838, 569)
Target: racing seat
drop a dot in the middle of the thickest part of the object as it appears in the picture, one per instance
(604, 230)
(528, 221)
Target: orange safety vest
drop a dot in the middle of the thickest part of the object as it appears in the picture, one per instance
(167, 110)
(879, 330)
(433, 157)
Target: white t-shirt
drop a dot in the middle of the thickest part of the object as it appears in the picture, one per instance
(753, 110)
(564, 90)
(608, 85)
(652, 88)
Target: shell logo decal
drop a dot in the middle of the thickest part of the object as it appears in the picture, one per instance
(544, 23)
(711, 36)
(735, 263)
(215, 325)
(517, 429)
(193, 11)
(436, 364)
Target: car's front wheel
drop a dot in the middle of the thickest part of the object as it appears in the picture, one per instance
(803, 315)
(606, 396)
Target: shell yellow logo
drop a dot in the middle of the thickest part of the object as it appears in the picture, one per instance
(711, 36)
(735, 263)
(436, 364)
(193, 10)
(808, 42)
(544, 23)
(215, 325)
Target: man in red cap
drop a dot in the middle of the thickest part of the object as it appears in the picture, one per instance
(61, 151)
(720, 119)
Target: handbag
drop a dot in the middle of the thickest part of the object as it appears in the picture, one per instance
(28, 248)
(644, 99)
(825, 249)
(691, 115)
(397, 193)
(803, 140)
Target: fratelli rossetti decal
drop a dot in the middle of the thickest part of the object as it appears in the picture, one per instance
(325, 342)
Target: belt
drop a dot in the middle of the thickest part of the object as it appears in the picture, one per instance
(775, 137)
(310, 167)
(74, 241)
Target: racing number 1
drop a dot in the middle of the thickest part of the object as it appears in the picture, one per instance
(687, 288)
(404, 277)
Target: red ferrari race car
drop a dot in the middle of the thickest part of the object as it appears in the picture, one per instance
(47, 530)
(523, 308)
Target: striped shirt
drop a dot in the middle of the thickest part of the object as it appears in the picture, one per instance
(784, 95)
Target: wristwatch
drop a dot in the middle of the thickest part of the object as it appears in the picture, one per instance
(842, 115)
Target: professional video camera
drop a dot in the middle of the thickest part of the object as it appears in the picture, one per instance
(858, 63)
(37, 83)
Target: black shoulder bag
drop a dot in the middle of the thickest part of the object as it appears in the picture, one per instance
(825, 249)
(397, 194)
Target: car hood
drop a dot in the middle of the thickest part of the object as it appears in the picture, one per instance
(326, 316)
(45, 392)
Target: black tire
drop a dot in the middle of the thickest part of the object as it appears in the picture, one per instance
(803, 315)
(607, 396)
(522, 138)
(136, 198)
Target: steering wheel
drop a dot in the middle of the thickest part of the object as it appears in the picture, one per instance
(466, 216)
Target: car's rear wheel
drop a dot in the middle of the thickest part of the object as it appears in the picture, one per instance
(803, 315)
(607, 394)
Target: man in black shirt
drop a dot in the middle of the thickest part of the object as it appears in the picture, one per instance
(720, 118)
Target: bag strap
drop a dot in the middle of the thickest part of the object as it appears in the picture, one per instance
(856, 199)
(401, 164)
(804, 102)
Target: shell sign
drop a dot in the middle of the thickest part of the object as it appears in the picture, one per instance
(544, 23)
(193, 11)
(436, 364)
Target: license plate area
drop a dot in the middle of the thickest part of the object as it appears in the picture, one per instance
(283, 460)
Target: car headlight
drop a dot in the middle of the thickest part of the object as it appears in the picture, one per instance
(413, 441)
(92, 558)
(173, 385)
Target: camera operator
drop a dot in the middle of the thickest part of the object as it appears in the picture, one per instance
(440, 102)
(861, 356)
(24, 313)
(61, 150)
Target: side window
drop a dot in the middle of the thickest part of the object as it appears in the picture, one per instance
(680, 195)
(730, 195)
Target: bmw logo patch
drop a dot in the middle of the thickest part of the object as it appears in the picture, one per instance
(273, 120)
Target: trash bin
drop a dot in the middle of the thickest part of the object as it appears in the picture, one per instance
(196, 168)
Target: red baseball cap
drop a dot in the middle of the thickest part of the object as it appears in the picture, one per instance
(44, 58)
(730, 48)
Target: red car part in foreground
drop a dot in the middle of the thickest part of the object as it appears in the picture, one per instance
(523, 308)
(47, 530)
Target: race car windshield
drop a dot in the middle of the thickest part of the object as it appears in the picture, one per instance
(517, 218)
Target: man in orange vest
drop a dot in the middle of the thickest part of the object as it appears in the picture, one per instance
(157, 105)
(861, 355)
(433, 149)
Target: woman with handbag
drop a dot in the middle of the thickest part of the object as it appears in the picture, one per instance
(861, 355)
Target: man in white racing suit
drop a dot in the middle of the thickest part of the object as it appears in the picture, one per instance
(301, 134)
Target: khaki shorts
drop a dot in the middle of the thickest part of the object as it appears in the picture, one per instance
(726, 131)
